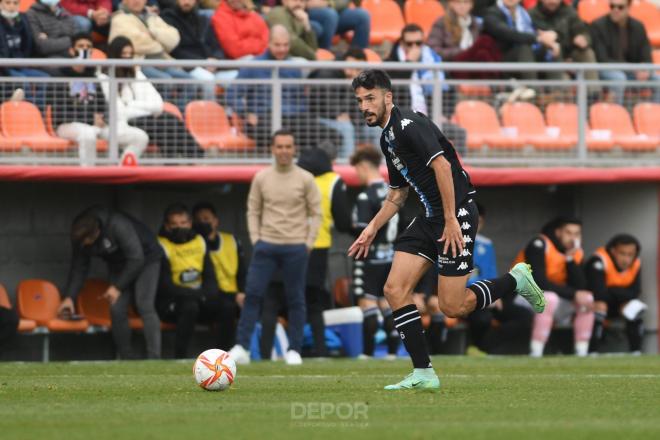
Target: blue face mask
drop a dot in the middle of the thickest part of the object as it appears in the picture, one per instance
(50, 3)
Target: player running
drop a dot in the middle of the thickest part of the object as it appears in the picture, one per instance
(419, 156)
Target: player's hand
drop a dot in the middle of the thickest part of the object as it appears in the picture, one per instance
(66, 308)
(112, 295)
(360, 247)
(453, 237)
(584, 300)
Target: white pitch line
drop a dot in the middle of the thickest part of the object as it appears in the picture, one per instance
(461, 376)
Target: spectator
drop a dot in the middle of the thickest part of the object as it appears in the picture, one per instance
(513, 315)
(140, 105)
(512, 28)
(292, 16)
(240, 31)
(188, 289)
(227, 257)
(619, 38)
(411, 48)
(16, 42)
(284, 214)
(197, 43)
(555, 256)
(133, 256)
(613, 275)
(334, 17)
(52, 29)
(572, 33)
(253, 101)
(90, 14)
(335, 214)
(456, 37)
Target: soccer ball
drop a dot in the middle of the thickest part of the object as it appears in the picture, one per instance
(214, 370)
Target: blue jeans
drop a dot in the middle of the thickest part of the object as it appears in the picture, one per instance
(347, 131)
(34, 92)
(83, 24)
(326, 22)
(291, 260)
(619, 89)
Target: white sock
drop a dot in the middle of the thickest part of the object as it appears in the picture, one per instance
(581, 348)
(536, 349)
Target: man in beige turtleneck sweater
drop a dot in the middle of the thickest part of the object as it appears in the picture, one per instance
(284, 214)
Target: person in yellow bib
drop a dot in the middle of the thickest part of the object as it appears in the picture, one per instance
(188, 288)
(228, 261)
(614, 275)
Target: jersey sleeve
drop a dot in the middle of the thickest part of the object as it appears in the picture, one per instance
(422, 137)
(396, 179)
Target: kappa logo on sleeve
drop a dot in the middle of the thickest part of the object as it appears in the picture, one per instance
(404, 123)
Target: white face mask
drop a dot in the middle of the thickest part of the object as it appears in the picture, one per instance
(50, 3)
(9, 15)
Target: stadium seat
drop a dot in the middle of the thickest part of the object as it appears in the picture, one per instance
(168, 107)
(101, 144)
(92, 305)
(24, 325)
(649, 14)
(209, 125)
(423, 13)
(589, 10)
(613, 117)
(24, 5)
(565, 117)
(98, 54)
(528, 119)
(386, 20)
(483, 128)
(372, 56)
(21, 121)
(647, 119)
(324, 55)
(39, 300)
(9, 144)
(472, 90)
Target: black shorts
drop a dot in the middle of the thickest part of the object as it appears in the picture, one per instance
(422, 235)
(369, 278)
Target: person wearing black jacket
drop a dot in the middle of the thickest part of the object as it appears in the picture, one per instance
(228, 261)
(555, 256)
(133, 256)
(188, 288)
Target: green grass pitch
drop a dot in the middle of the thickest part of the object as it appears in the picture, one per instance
(481, 398)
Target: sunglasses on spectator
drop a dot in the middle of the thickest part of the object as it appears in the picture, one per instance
(619, 7)
(413, 43)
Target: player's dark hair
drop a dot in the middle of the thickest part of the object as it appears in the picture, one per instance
(281, 132)
(85, 225)
(372, 79)
(624, 239)
(412, 27)
(370, 155)
(175, 209)
(81, 36)
(355, 52)
(481, 209)
(204, 206)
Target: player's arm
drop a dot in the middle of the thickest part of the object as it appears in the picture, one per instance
(452, 235)
(396, 198)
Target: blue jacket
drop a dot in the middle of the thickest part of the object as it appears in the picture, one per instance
(484, 260)
(16, 39)
(255, 98)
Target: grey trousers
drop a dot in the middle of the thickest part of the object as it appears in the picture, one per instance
(143, 291)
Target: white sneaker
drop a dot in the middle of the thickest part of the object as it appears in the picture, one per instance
(292, 357)
(240, 355)
(363, 357)
(390, 357)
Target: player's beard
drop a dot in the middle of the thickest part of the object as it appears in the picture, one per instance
(379, 117)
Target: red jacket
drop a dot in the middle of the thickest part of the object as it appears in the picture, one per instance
(239, 33)
(80, 7)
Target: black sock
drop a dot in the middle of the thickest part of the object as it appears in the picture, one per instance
(635, 332)
(392, 335)
(408, 322)
(437, 333)
(597, 333)
(369, 328)
(489, 291)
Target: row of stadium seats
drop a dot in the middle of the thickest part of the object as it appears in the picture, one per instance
(22, 126)
(523, 124)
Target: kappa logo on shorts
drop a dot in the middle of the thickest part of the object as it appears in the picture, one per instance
(405, 123)
(465, 226)
(467, 239)
(466, 253)
(462, 212)
(462, 266)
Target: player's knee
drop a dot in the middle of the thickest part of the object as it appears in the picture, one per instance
(453, 309)
(551, 301)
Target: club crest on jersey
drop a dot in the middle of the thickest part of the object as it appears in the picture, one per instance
(404, 123)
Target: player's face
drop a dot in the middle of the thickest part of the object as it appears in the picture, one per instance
(206, 216)
(178, 221)
(283, 149)
(569, 235)
(373, 105)
(624, 255)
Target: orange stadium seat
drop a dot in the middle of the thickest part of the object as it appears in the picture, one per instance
(386, 20)
(24, 325)
(613, 117)
(565, 116)
(38, 300)
(92, 305)
(648, 13)
(209, 125)
(21, 121)
(528, 119)
(483, 128)
(589, 10)
(24, 5)
(168, 107)
(474, 90)
(372, 56)
(98, 54)
(324, 55)
(423, 13)
(647, 119)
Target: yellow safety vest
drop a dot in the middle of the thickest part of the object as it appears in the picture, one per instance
(186, 261)
(326, 183)
(225, 263)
